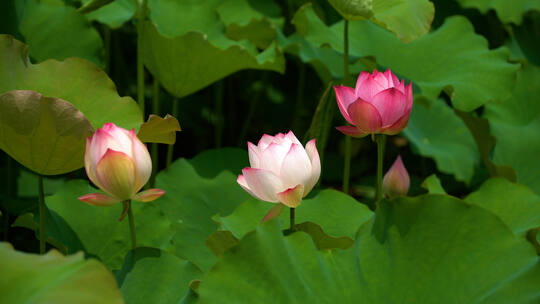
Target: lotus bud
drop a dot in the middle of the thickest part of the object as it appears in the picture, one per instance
(118, 163)
(396, 180)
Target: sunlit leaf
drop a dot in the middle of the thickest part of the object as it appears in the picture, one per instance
(53, 29)
(515, 123)
(46, 135)
(159, 130)
(448, 59)
(96, 230)
(54, 278)
(515, 204)
(150, 275)
(428, 249)
(74, 80)
(436, 132)
(114, 14)
(188, 38)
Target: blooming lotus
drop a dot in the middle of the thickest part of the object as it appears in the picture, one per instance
(396, 180)
(380, 103)
(118, 163)
(282, 171)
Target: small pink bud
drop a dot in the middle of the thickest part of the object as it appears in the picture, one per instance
(396, 180)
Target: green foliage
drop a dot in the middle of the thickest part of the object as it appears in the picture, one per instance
(97, 230)
(159, 130)
(47, 135)
(74, 80)
(433, 185)
(53, 29)
(189, 38)
(436, 132)
(53, 278)
(452, 57)
(337, 213)
(411, 251)
(150, 275)
(114, 14)
(190, 202)
(515, 123)
(507, 11)
(515, 204)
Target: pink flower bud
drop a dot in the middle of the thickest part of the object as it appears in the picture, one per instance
(119, 164)
(380, 103)
(281, 169)
(396, 180)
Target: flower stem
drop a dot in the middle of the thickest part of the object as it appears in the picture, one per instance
(170, 148)
(42, 211)
(347, 161)
(131, 225)
(381, 140)
(141, 11)
(292, 218)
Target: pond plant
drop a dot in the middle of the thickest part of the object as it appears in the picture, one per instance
(413, 177)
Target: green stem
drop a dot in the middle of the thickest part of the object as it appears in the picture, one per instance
(219, 114)
(292, 218)
(154, 147)
(170, 148)
(42, 211)
(131, 220)
(347, 161)
(141, 11)
(381, 140)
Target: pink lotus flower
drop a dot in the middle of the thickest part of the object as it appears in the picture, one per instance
(119, 164)
(396, 180)
(281, 169)
(380, 103)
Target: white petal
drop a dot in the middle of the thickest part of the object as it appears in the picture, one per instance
(313, 154)
(272, 157)
(263, 184)
(254, 155)
(296, 167)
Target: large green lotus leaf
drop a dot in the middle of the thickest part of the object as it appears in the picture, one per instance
(515, 122)
(450, 58)
(114, 14)
(515, 204)
(430, 249)
(337, 213)
(190, 202)
(244, 22)
(55, 30)
(97, 231)
(507, 11)
(188, 38)
(74, 80)
(435, 131)
(54, 278)
(408, 19)
(150, 275)
(46, 135)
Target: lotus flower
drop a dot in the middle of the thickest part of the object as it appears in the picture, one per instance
(380, 103)
(396, 180)
(282, 171)
(119, 164)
